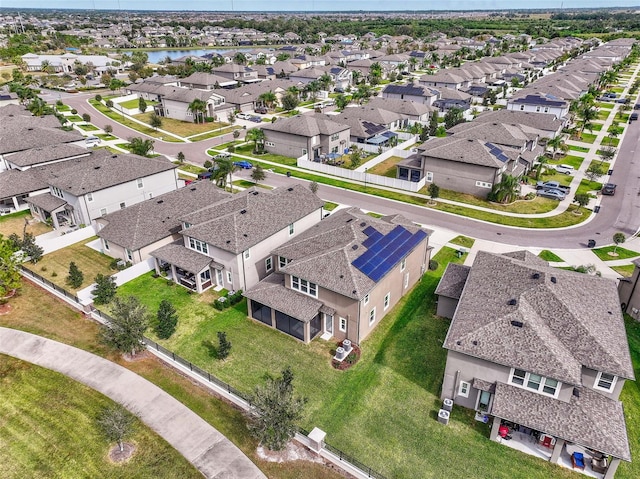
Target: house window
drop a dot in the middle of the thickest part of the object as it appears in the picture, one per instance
(103, 211)
(372, 316)
(89, 197)
(291, 229)
(57, 192)
(463, 389)
(343, 325)
(140, 183)
(366, 299)
(534, 382)
(123, 205)
(521, 107)
(246, 254)
(229, 277)
(483, 184)
(429, 176)
(605, 382)
(106, 244)
(205, 275)
(282, 261)
(129, 254)
(304, 151)
(186, 225)
(537, 108)
(387, 300)
(406, 280)
(546, 109)
(403, 264)
(304, 286)
(268, 264)
(269, 143)
(200, 246)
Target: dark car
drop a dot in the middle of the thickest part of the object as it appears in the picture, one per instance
(636, 106)
(261, 110)
(609, 189)
(205, 175)
(633, 117)
(243, 164)
(622, 100)
(255, 119)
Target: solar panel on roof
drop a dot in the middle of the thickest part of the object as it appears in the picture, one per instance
(372, 239)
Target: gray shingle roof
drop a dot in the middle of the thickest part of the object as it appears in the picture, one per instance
(16, 183)
(403, 107)
(145, 223)
(453, 281)
(463, 150)
(324, 253)
(539, 121)
(35, 156)
(47, 202)
(592, 420)
(19, 135)
(497, 133)
(104, 169)
(561, 331)
(245, 219)
(306, 126)
(272, 292)
(181, 257)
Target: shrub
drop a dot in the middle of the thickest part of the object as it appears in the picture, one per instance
(224, 345)
(109, 104)
(208, 164)
(231, 149)
(74, 111)
(86, 117)
(208, 119)
(433, 265)
(98, 97)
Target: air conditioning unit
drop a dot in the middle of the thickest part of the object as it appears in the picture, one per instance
(340, 353)
(447, 404)
(634, 310)
(443, 416)
(346, 344)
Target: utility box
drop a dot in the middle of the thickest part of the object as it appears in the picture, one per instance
(447, 404)
(443, 416)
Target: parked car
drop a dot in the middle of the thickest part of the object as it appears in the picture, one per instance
(205, 175)
(261, 110)
(243, 164)
(633, 117)
(92, 141)
(610, 95)
(255, 119)
(552, 185)
(243, 116)
(636, 106)
(222, 156)
(609, 189)
(552, 194)
(566, 169)
(624, 101)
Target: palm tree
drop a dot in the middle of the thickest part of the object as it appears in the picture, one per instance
(257, 136)
(268, 98)
(239, 58)
(198, 108)
(221, 173)
(557, 143)
(140, 146)
(325, 81)
(507, 190)
(587, 114)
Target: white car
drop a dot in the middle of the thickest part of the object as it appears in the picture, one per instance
(243, 116)
(92, 141)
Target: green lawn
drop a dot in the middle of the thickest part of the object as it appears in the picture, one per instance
(536, 205)
(603, 114)
(550, 256)
(625, 271)
(551, 175)
(49, 430)
(596, 127)
(582, 149)
(106, 136)
(189, 168)
(386, 168)
(88, 127)
(55, 266)
(132, 104)
(621, 253)
(247, 150)
(572, 160)
(586, 186)
(587, 138)
(463, 241)
(213, 134)
(249, 184)
(63, 108)
(383, 410)
(74, 118)
(329, 206)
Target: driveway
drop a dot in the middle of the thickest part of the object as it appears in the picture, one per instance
(202, 445)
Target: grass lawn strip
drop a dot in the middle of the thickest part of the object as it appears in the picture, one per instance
(587, 186)
(182, 128)
(572, 160)
(550, 256)
(463, 241)
(386, 168)
(40, 313)
(14, 223)
(329, 206)
(621, 253)
(537, 205)
(49, 430)
(625, 271)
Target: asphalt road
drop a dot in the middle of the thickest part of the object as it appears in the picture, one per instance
(617, 213)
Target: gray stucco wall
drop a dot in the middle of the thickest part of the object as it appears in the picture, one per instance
(461, 177)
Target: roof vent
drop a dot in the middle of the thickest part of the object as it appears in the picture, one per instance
(114, 156)
(193, 189)
(512, 302)
(475, 343)
(244, 234)
(363, 224)
(535, 275)
(576, 392)
(341, 276)
(609, 312)
(228, 241)
(289, 189)
(243, 212)
(349, 220)
(517, 324)
(353, 292)
(554, 279)
(96, 167)
(255, 193)
(458, 343)
(160, 202)
(354, 247)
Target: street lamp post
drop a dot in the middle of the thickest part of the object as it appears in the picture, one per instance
(365, 178)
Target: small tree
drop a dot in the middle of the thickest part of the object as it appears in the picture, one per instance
(236, 134)
(105, 289)
(86, 117)
(618, 239)
(109, 103)
(258, 174)
(75, 277)
(434, 191)
(155, 121)
(98, 97)
(290, 102)
(108, 129)
(582, 199)
(275, 410)
(9, 269)
(30, 248)
(142, 105)
(129, 321)
(180, 157)
(224, 345)
(167, 320)
(433, 123)
(116, 424)
(594, 171)
(356, 157)
(313, 186)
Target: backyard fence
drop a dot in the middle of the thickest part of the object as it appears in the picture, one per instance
(239, 398)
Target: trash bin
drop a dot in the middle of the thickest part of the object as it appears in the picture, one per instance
(288, 174)
(591, 243)
(596, 209)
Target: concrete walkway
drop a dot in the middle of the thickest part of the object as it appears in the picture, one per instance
(202, 445)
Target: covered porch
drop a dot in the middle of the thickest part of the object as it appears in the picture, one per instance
(49, 208)
(195, 271)
(585, 433)
(295, 314)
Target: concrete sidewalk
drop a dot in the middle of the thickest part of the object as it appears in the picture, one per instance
(201, 444)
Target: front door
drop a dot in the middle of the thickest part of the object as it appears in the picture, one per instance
(219, 280)
(328, 324)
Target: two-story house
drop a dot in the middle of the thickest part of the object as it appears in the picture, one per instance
(539, 103)
(84, 189)
(341, 276)
(541, 353)
(233, 71)
(311, 135)
(228, 242)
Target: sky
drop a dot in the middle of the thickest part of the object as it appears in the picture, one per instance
(314, 5)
